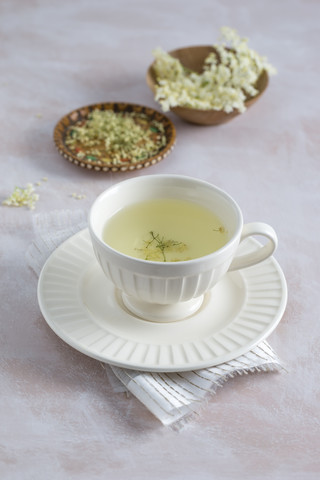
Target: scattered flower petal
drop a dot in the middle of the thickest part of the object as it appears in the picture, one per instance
(21, 197)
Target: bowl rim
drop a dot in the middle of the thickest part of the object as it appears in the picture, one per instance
(155, 268)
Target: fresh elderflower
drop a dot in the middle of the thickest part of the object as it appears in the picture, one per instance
(227, 80)
(22, 197)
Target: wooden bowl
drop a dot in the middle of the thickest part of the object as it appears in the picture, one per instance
(63, 127)
(193, 58)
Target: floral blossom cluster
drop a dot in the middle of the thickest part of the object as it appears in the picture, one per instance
(229, 77)
(22, 197)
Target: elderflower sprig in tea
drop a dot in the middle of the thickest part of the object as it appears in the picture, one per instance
(156, 247)
(229, 77)
(21, 197)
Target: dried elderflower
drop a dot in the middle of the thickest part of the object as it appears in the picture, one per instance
(116, 137)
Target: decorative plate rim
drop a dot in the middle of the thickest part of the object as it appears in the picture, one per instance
(70, 118)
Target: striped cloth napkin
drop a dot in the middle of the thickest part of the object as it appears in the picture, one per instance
(172, 397)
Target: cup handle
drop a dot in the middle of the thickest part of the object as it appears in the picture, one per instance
(264, 252)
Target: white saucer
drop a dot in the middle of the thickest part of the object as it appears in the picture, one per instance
(83, 308)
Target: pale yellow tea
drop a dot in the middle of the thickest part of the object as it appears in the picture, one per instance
(165, 230)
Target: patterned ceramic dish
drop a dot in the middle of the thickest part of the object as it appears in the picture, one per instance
(156, 125)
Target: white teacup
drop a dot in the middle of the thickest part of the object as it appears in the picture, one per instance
(170, 291)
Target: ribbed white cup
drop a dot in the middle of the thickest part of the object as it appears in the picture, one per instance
(169, 291)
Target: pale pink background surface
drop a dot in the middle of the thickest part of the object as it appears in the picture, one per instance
(59, 418)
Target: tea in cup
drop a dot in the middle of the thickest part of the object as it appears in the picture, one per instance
(166, 240)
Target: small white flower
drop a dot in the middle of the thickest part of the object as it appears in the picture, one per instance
(223, 85)
(22, 197)
(78, 196)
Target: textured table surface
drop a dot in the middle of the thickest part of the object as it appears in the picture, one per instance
(59, 417)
